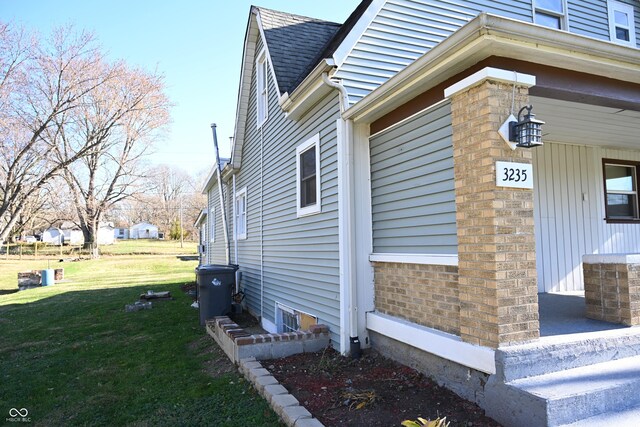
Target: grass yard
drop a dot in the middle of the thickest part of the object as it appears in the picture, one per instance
(71, 355)
(149, 246)
(24, 251)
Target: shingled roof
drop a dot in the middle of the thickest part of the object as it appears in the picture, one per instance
(294, 42)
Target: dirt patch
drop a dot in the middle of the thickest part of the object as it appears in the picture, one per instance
(371, 391)
(215, 363)
(247, 322)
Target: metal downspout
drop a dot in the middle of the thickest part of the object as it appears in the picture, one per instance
(348, 210)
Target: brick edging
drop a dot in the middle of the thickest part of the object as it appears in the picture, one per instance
(241, 337)
(283, 403)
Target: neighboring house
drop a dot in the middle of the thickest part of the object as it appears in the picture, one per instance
(121, 233)
(72, 233)
(106, 234)
(143, 230)
(53, 236)
(365, 190)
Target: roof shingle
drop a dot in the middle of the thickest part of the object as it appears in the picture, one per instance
(294, 44)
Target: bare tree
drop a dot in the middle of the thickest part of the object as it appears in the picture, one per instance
(118, 121)
(42, 85)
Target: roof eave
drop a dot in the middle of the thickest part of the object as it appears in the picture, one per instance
(308, 92)
(490, 35)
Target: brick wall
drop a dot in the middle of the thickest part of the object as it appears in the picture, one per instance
(496, 241)
(423, 294)
(612, 292)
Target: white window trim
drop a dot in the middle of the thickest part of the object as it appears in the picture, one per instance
(612, 7)
(280, 308)
(240, 193)
(212, 225)
(564, 17)
(262, 88)
(317, 208)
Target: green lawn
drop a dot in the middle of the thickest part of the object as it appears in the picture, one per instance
(150, 246)
(71, 355)
(26, 251)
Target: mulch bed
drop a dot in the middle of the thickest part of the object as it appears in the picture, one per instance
(370, 391)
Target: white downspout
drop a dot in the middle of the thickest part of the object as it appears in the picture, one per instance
(235, 238)
(346, 211)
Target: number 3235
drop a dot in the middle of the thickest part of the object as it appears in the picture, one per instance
(514, 174)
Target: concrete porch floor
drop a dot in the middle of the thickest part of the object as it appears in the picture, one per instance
(562, 314)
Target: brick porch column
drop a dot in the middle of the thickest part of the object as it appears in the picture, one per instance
(496, 241)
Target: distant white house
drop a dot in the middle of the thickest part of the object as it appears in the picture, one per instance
(72, 233)
(121, 233)
(143, 230)
(106, 235)
(53, 236)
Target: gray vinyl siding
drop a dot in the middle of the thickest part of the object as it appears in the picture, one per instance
(404, 30)
(215, 249)
(569, 212)
(300, 262)
(412, 186)
(590, 18)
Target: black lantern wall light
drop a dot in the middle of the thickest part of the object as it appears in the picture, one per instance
(526, 132)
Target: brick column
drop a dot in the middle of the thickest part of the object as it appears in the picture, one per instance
(496, 241)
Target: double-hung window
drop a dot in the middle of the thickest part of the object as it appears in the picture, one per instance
(621, 23)
(550, 13)
(240, 214)
(621, 190)
(262, 88)
(308, 176)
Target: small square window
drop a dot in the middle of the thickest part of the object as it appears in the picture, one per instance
(621, 190)
(240, 214)
(621, 23)
(550, 13)
(308, 176)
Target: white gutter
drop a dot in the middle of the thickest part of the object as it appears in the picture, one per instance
(346, 233)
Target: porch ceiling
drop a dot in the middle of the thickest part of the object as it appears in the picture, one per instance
(577, 123)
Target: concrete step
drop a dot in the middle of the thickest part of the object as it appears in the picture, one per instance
(563, 352)
(560, 398)
(625, 418)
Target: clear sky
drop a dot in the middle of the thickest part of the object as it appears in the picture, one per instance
(196, 44)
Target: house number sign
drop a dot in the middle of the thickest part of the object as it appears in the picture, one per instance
(515, 175)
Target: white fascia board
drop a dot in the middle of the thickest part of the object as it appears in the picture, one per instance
(202, 216)
(211, 179)
(444, 345)
(266, 49)
(489, 35)
(351, 40)
(308, 92)
(490, 73)
(244, 90)
(423, 259)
